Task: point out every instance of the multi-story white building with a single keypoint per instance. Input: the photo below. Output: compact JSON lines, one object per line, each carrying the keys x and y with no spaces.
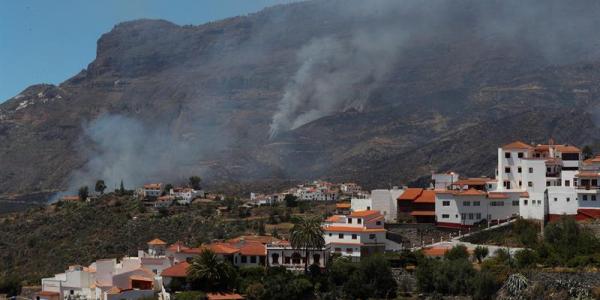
{"x":535,"y":182}
{"x":384,"y":201}
{"x":356,"y":235}
{"x":151,"y":190}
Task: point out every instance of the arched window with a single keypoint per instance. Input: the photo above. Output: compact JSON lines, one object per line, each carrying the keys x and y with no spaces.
{"x":275,"y":258}
{"x":316,"y":259}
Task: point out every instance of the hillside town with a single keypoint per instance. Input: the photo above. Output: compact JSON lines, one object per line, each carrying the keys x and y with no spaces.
{"x":541,"y":183}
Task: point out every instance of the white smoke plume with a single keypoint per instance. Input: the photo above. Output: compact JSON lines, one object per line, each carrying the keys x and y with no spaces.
{"x":336,"y":75}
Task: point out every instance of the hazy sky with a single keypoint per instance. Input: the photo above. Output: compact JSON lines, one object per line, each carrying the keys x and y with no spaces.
{"x":50,"y":41}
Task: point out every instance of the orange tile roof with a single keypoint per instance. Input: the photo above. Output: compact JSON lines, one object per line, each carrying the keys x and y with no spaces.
{"x":422,"y":213}
{"x":253,"y":249}
{"x":223,"y":296}
{"x":587,"y":174}
{"x":410,"y":194}
{"x":177,"y":246}
{"x":156,"y":242}
{"x":364,"y":213}
{"x":595,"y":159}
{"x":342,"y":205}
{"x":470,"y":192}
{"x":153,"y":186}
{"x":351,"y":229}
{"x":263,"y":239}
{"x":334,"y":219}
{"x":140,"y":278}
{"x":222,"y":248}
{"x":178,"y":270}
{"x":517,"y":145}
{"x":435,"y":251}
{"x":567,"y":149}
{"x":428,"y":196}
{"x":496,"y":195}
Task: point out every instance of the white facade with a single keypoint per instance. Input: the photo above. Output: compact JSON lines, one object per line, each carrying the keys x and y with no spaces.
{"x":359,"y":234}
{"x":184,"y":196}
{"x":282,"y":254}
{"x":384,"y":201}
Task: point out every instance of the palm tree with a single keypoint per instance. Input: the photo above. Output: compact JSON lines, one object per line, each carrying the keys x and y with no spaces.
{"x":210,"y":273}
{"x":307,"y":234}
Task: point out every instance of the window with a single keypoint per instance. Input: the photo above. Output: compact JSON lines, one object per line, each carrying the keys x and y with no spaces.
{"x":530,"y":184}
{"x":507,"y":154}
{"x":445,"y":216}
{"x":338,"y":249}
{"x":275,"y":258}
{"x":316,"y":259}
{"x":520,"y":183}
{"x":520,"y":154}
{"x":359,"y":221}
{"x":372,"y":236}
{"x":378,"y":223}
{"x":341,"y":236}
{"x":584,"y":197}
{"x":71,"y":292}
{"x":467,"y":203}
{"x":244,"y":259}
{"x":349,"y":250}
{"x":330,"y":234}
{"x":507,"y":170}
{"x":155,"y":271}
{"x":253,"y":259}
{"x":525,"y":202}
{"x":539,"y":202}
{"x":476,"y":203}
{"x":567,"y":183}
{"x":519,"y":170}
{"x":593,"y":197}
{"x":349,"y":220}
{"x":547,"y":183}
{"x":515,"y":202}
{"x":445,"y":203}
{"x":354,"y":236}
{"x":368,"y":208}
{"x":530,"y":170}
{"x":568,"y":199}
{"x":463,"y":216}
{"x":471,"y":216}
{"x":478,"y":216}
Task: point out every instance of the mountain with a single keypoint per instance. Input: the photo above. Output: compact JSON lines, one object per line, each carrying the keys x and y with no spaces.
{"x":381,"y":92}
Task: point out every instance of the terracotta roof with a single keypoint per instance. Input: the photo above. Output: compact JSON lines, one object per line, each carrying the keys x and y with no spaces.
{"x":156,"y":242}
{"x":343,"y":205}
{"x":422,"y":213}
{"x":253,"y":249}
{"x":410,"y":194}
{"x":428,"y":196}
{"x":263,"y":239}
{"x":364,"y":213}
{"x":595,"y":159}
{"x":153,"y":186}
{"x":567,"y":149}
{"x":221,"y":248}
{"x":334,"y":219}
{"x":587,"y":174}
{"x":178,"y":270}
{"x":351,"y":229}
{"x":470,"y":192}
{"x":113,"y":290}
{"x":496,"y":195}
{"x":435,"y":251}
{"x":517,"y":145}
{"x":48,"y":293}
{"x":140,"y":278}
{"x":223,"y":296}
{"x":177,"y":247}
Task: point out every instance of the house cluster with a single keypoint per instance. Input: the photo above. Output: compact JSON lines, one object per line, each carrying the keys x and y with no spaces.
{"x":541,"y":182}
{"x":355,"y":235}
{"x":314,"y":191}
{"x":157,"y":195}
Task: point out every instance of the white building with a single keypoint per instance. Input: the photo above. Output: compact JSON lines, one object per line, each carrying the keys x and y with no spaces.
{"x":282,"y":254}
{"x":356,"y":235}
{"x":184,"y":195}
{"x":151,"y":190}
{"x":384,"y":201}
{"x":540,"y":182}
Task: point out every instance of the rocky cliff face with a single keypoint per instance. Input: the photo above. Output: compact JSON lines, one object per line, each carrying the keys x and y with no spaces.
{"x":379,"y":93}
